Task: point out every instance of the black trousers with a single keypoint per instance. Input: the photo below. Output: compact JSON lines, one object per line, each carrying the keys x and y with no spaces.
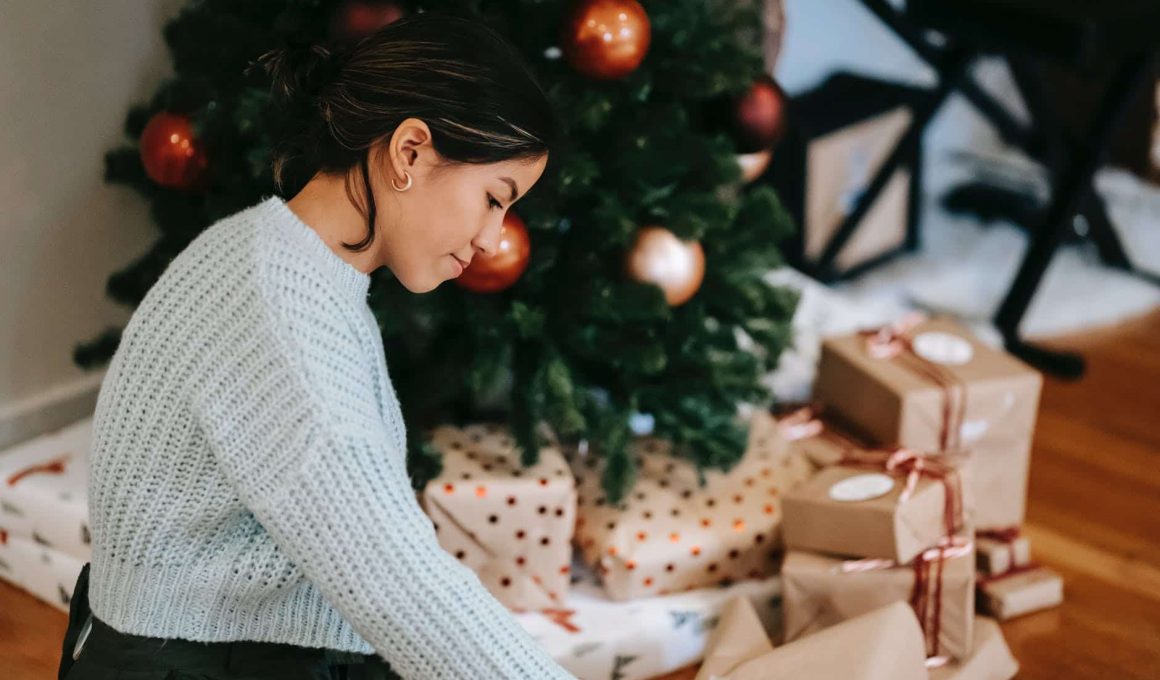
{"x":108,"y":654}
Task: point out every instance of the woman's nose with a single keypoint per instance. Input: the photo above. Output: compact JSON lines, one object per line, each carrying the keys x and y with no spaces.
{"x":487,"y":241}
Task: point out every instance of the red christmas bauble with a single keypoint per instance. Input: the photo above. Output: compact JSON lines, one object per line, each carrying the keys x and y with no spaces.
{"x":172,"y":156}
{"x":606,"y":39}
{"x":677,"y":267}
{"x":759,"y":115}
{"x":500,"y":271}
{"x":354,"y":20}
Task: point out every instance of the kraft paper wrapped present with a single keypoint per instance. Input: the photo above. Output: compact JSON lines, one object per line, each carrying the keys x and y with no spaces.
{"x":1001,"y":551}
{"x":671,"y":534}
{"x":512,"y":526}
{"x":891,"y":505}
{"x":1020,"y":591}
{"x":596,"y":638}
{"x":43,"y":489}
{"x":817,"y":433}
{"x":931,"y":386}
{"x":819,"y":591}
{"x":990,"y":657}
{"x":48,"y":574}
{"x":883,"y":644}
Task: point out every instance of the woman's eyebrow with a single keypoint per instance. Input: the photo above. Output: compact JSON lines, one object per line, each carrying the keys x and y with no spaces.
{"x":512,"y":184}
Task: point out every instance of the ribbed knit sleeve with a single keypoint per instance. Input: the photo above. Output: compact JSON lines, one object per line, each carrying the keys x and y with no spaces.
{"x":286,"y":399}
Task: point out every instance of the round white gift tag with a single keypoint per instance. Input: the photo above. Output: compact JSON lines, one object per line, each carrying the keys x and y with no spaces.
{"x":862,"y":487}
{"x":943,"y":348}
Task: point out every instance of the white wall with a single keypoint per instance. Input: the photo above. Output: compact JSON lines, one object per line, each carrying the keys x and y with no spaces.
{"x":69,"y":72}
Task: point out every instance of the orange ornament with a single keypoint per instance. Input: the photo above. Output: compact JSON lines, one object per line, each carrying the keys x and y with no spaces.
{"x":753,"y":164}
{"x":675,"y":266}
{"x":496,"y":273}
{"x":606,"y":39}
{"x":172,"y":156}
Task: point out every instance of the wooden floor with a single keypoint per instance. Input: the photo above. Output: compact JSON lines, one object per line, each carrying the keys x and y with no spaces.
{"x":1094,"y":515}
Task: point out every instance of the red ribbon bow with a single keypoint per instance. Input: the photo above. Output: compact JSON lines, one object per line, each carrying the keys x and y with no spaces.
{"x":891,"y":342}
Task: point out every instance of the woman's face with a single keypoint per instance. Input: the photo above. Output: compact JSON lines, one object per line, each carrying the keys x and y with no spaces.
{"x":450,"y":214}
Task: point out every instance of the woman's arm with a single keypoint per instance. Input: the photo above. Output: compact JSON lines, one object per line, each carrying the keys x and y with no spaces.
{"x":290,"y":412}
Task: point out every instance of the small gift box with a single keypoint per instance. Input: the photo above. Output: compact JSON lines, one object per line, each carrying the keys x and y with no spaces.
{"x":884,"y":504}
{"x":50,"y":575}
{"x":596,"y":638}
{"x":43,"y":489}
{"x":930,"y":385}
{"x":671,"y":533}
{"x":882,"y":644}
{"x":1020,"y":591}
{"x":1001,"y":551}
{"x":990,"y":657}
{"x":819,"y":591}
{"x":511,"y":525}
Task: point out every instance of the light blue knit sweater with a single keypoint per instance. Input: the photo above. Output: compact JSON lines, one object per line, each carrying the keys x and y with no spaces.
{"x":248,"y":477}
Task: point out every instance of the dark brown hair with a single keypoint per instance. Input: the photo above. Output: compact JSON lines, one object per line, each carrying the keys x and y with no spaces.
{"x":471,"y":87}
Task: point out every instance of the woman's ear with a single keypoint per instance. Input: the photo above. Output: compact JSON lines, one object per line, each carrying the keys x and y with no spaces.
{"x":409,"y":143}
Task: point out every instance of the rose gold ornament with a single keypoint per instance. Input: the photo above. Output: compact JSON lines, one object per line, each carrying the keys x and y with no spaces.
{"x":675,"y":266}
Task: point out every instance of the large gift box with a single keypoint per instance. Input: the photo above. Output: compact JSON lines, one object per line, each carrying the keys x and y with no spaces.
{"x":48,"y":574}
{"x":882,"y":644}
{"x":990,"y":657}
{"x":819,"y":591}
{"x":672,"y":534}
{"x":511,"y":525}
{"x":931,"y":386}
{"x":888,"y":504}
{"x":44,"y":489}
{"x":596,"y":638}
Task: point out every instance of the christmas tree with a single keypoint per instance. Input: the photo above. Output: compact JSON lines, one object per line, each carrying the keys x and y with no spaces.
{"x":580,"y":333}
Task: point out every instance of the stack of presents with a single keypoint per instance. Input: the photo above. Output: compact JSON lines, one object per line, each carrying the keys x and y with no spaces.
{"x":873,"y":533}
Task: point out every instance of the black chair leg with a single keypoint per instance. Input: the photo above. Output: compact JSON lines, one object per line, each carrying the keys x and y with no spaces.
{"x":1067,"y":197}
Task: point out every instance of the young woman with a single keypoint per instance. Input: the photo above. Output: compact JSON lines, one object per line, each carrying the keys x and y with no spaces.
{"x":250,"y":506}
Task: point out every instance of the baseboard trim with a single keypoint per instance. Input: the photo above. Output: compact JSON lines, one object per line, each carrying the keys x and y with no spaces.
{"x":50,"y":410}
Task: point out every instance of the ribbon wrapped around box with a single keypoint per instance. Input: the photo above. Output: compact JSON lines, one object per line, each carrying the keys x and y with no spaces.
{"x":1000,"y":551}
{"x":816,"y":433}
{"x":43,"y":489}
{"x":930,"y":385}
{"x":512,"y":526}
{"x":596,"y":638}
{"x":888,"y":504}
{"x":1020,"y":591}
{"x":48,"y":574}
{"x":819,"y":591}
{"x":990,"y":657}
{"x":882,"y":644}
{"x":671,"y":534}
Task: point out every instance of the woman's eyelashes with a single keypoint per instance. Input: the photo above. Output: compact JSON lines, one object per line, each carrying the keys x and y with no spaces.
{"x":494,"y":204}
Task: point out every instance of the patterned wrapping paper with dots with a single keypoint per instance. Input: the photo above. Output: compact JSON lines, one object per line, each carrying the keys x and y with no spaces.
{"x":44,"y":489}
{"x":671,"y":534}
{"x":50,"y":575}
{"x":511,"y":525}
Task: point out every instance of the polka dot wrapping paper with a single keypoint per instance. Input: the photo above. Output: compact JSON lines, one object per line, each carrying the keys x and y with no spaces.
{"x":672,"y":535}
{"x":511,"y":525}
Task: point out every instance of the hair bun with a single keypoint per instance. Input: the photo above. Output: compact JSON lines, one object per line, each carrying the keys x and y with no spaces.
{"x":299,"y":72}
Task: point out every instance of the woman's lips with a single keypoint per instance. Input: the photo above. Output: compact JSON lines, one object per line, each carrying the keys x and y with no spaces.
{"x":458,"y":263}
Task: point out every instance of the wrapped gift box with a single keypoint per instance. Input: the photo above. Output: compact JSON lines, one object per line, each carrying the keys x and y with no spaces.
{"x":882,"y":644}
{"x":512,"y":526}
{"x":819,"y":591}
{"x":931,"y":386}
{"x":1001,"y":551}
{"x":596,"y":638}
{"x":44,"y":489}
{"x":48,"y":574}
{"x":1020,"y":591}
{"x":990,"y":657}
{"x":672,"y":534}
{"x":860,"y":510}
